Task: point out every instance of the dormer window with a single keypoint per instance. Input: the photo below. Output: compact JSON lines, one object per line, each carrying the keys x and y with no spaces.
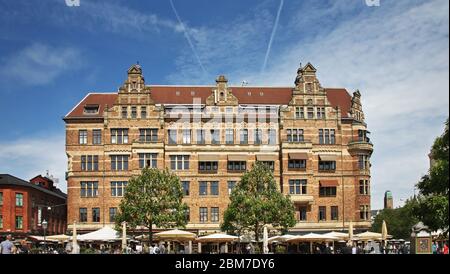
{"x":249,"y":93}
{"x":177,"y":93}
{"x":192,"y":93}
{"x":91,"y":109}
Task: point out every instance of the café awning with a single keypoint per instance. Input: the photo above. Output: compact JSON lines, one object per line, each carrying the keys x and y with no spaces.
{"x":328,"y":157}
{"x":208,"y":157}
{"x":328,"y":183}
{"x":298,"y":156}
{"x":266,"y":158}
{"x":237,"y":157}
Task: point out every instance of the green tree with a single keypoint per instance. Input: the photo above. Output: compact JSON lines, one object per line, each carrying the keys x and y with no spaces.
{"x":432,"y":206}
{"x":398,"y":221}
{"x":256,"y":201}
{"x":153,"y":199}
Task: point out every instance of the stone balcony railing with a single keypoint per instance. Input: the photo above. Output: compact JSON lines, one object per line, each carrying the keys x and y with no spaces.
{"x":366,"y":146}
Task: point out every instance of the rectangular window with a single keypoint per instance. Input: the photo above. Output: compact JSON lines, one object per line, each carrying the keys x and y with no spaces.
{"x":1,"y":198}
{"x":96,"y":215}
{"x":214,"y":188}
{"x":185,"y":185}
{"x":208,"y":166}
{"x":89,"y":163}
{"x":119,"y":162}
{"x":188,"y":214}
{"x":231,"y":186}
{"x":214,"y":214}
{"x":269,"y":164}
{"x":299,"y":112}
{"x":229,"y":136}
{"x":327,"y":191}
{"x":186,"y":136}
{"x":179,"y":162}
{"x":258,"y":137}
{"x":320,"y":113}
{"x":83,"y":137}
{"x":363,"y":162}
{"x":119,"y":136}
{"x":272,"y":136}
{"x":302,"y":213}
{"x":322,"y":213}
{"x":124,"y":112}
{"x":237,"y":165}
{"x":364,"y":213}
{"x":215,"y":136}
{"x":172,"y":136}
{"x":148,"y":135}
{"x":88,"y":189}
{"x":364,"y":187}
{"x":334,"y":213}
{"x":295,"y":135}
{"x":97,"y":136}
{"x":200,"y":136}
{"x":244,"y":136}
{"x":203,"y":214}
{"x":310,"y":113}
{"x":147,"y":160}
{"x":297,"y":187}
{"x":1,"y":221}
{"x":296,"y":164}
{"x":327,"y":136}
{"x":19,"y":199}
{"x":83,"y":215}
{"x":19,"y":222}
{"x":112,"y":214}
{"x":118,"y":188}
{"x":143,"y":112}
{"x":327,"y":165}
{"x":203,"y":188}
{"x":133,"y":112}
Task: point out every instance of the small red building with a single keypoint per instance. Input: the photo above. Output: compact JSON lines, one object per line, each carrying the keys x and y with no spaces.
{"x":25,"y":205}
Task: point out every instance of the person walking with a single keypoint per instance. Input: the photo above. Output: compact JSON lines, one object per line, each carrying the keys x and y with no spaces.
{"x":7,"y":247}
{"x":162,"y":248}
{"x":434,"y":248}
{"x":446,"y":248}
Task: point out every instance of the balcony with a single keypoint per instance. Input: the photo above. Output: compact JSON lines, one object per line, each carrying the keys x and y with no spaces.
{"x":302,"y":198}
{"x":360,"y":146}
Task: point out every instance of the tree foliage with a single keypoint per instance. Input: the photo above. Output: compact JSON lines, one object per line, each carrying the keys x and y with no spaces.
{"x":153,"y":199}
{"x":432,"y":206}
{"x":256,"y":201}
{"x":398,"y":221}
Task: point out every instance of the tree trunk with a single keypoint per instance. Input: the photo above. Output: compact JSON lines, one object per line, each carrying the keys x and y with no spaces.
{"x":257,"y":234}
{"x":150,"y":234}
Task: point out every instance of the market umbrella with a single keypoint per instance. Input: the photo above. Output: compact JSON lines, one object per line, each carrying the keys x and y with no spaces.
{"x":313,"y":237}
{"x":350,"y":231}
{"x":282,"y":238}
{"x":265,"y":241}
{"x":384,"y":233}
{"x":104,"y":234}
{"x":59,"y":238}
{"x":124,"y":236}
{"x":75,"y":247}
{"x":340,"y":235}
{"x":217,"y":238}
{"x":366,"y":236}
{"x":176,"y":235}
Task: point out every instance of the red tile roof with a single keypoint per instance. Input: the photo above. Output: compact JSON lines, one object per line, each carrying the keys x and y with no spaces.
{"x":340,"y":97}
{"x":186,"y":95}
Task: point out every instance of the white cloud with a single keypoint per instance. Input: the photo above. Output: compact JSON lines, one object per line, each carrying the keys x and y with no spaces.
{"x":28,"y":157}
{"x":39,"y":64}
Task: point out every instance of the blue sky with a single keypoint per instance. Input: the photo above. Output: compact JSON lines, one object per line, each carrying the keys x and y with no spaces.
{"x":396,"y":53}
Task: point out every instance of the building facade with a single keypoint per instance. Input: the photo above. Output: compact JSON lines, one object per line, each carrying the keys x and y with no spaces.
{"x":25,"y":205}
{"x":314,"y":139}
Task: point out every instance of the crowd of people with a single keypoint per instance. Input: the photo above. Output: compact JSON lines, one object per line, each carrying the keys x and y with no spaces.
{"x":439,"y":247}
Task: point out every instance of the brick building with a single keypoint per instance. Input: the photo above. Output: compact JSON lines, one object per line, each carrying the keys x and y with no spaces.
{"x":24,"y":205}
{"x":314,"y":139}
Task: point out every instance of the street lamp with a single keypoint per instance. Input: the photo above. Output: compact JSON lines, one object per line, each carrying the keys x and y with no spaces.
{"x":44,"y":226}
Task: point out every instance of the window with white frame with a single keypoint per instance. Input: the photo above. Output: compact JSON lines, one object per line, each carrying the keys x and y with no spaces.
{"x":186,"y":136}
{"x":327,"y":136}
{"x":83,"y":137}
{"x":299,"y":112}
{"x":119,"y":136}
{"x":118,"y":188}
{"x":179,"y":162}
{"x":89,"y":162}
{"x":119,"y":162}
{"x":147,"y":160}
{"x":295,"y":135}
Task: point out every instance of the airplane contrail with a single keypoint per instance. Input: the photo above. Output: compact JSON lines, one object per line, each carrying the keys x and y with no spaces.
{"x":272,"y":36}
{"x":187,"y":37}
